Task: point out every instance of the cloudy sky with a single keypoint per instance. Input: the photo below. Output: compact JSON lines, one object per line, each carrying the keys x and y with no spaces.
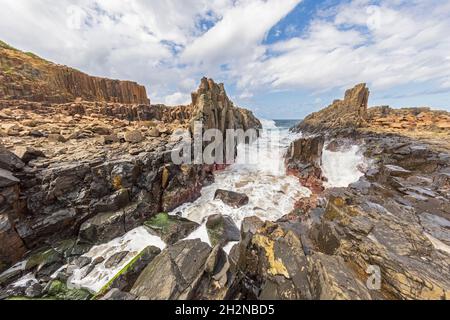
{"x":280,"y":58}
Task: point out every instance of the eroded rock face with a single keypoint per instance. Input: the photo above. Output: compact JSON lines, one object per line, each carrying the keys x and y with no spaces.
{"x":395,"y":218}
{"x":93,"y":171}
{"x":188,"y":270}
{"x":12,"y":247}
{"x":272,"y":264}
{"x":304,"y":160}
{"x":28,"y":77}
{"x":348,"y":114}
{"x":215,"y":110}
{"x":127,"y":277}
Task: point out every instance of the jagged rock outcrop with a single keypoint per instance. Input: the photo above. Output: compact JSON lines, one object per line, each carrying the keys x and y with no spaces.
{"x":94,"y":170}
{"x":215,"y":110}
{"x":28,"y":77}
{"x":304,"y":160}
{"x":346,"y":114}
{"x":272,"y":265}
{"x":394,"y":218}
{"x":188,"y":270}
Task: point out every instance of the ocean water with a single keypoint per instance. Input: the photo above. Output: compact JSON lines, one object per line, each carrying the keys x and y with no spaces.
{"x":259,"y":172}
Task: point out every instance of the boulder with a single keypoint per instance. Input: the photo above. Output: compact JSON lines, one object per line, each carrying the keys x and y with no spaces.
{"x":26,"y":154}
{"x":58,"y":290}
{"x":169,"y":228}
{"x":53,"y":137}
{"x":222,"y":229}
{"x":109,"y":139}
{"x":232,"y":199}
{"x":9,"y":161}
{"x":174,"y":273}
{"x":154,"y":133}
{"x":134,"y":136}
{"x":7,"y":179}
{"x":103,"y":227}
{"x":12,"y":129}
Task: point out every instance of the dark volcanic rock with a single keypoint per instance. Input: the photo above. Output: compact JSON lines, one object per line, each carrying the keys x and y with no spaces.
{"x":26,"y":154}
{"x":103,"y":227}
{"x":307,"y":151}
{"x":173,"y":273}
{"x":12,"y":247}
{"x":117,"y":295}
{"x":169,"y":228}
{"x":272,"y":265}
{"x":125,"y":279}
{"x":330,"y":278}
{"x":222,"y":229}
{"x":187,"y":270}
{"x":115,"y":259}
{"x":232,"y":199}
{"x":9,"y":161}
{"x":7,"y":179}
{"x":304,"y":161}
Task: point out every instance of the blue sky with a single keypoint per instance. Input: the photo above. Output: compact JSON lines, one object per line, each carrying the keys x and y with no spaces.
{"x":280,"y":58}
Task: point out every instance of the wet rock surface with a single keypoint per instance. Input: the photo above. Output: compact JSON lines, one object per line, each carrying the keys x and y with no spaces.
{"x":304,"y":160}
{"x":170,"y":229}
{"x":77,"y":176}
{"x":185,"y":266}
{"x":393,"y":219}
{"x":221,"y":230}
{"x":93,"y":171}
{"x":232,"y":199}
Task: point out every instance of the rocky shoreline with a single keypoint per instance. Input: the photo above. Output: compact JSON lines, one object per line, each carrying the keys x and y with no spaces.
{"x":86,"y":188}
{"x":81,"y":174}
{"x":396,"y":217}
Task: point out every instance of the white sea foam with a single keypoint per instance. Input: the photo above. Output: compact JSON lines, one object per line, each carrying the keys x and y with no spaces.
{"x":260,"y":173}
{"x":26,"y":280}
{"x":201,"y":233}
{"x":230,"y":246}
{"x":134,"y":242}
{"x":341,"y":168}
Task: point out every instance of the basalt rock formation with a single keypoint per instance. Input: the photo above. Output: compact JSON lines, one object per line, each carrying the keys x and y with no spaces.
{"x":348,"y":114}
{"x":395,"y":219}
{"x":80,"y":173}
{"x":214,"y":109}
{"x":304,"y":160}
{"x":29,"y":77}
